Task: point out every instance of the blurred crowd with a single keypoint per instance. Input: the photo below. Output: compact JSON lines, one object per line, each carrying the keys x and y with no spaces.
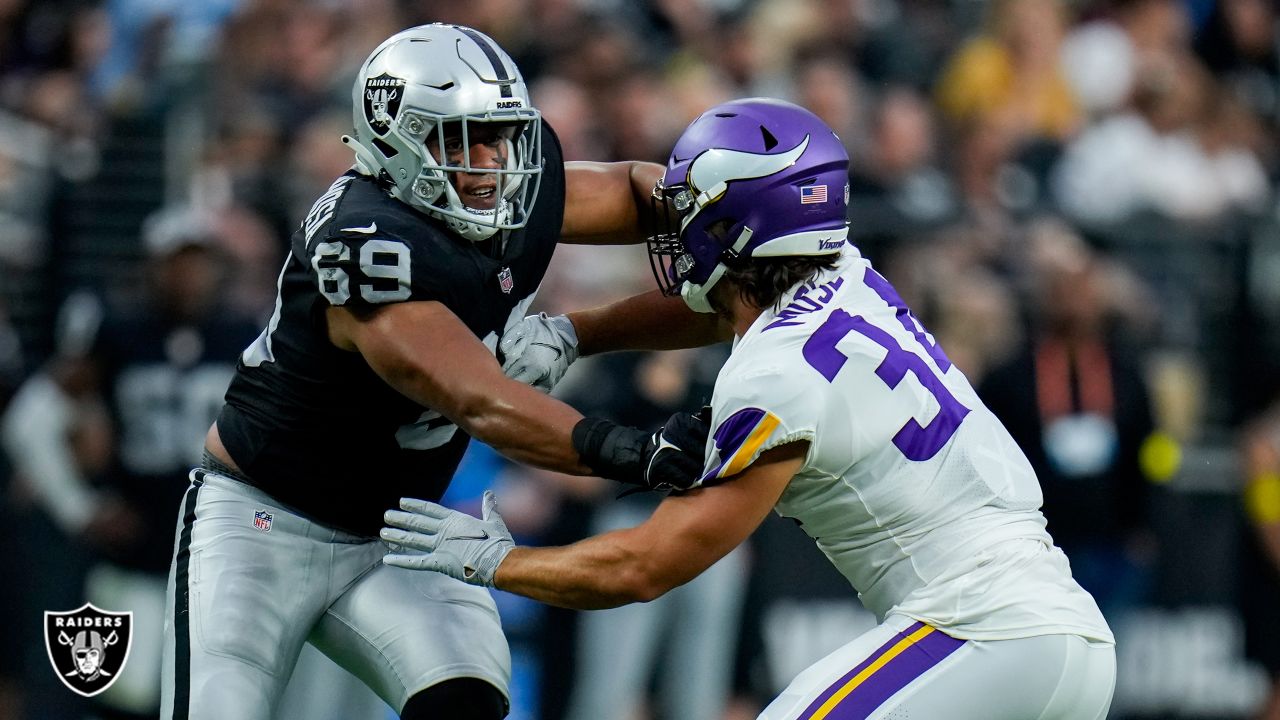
{"x":1078,"y":198}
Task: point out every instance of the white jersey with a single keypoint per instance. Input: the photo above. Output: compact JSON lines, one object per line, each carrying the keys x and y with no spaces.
{"x":911,"y":487}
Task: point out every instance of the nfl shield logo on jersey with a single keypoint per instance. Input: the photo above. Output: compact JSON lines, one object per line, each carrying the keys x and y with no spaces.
{"x":505,"y":280}
{"x":262,"y":520}
{"x":88,"y":647}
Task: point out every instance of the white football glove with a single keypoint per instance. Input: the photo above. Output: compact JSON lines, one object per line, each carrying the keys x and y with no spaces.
{"x":539,"y":350}
{"x":427,"y":536}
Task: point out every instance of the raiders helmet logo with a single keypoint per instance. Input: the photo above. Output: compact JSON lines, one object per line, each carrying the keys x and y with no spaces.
{"x":88,"y":647}
{"x":382,"y":96}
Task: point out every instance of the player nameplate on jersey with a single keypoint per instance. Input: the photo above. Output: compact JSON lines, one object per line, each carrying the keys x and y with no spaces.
{"x":382,"y":96}
{"x":262,"y":520}
{"x":88,"y":647}
{"x":505,"y":281}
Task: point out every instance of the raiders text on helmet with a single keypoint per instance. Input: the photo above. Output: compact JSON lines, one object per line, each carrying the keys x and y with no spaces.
{"x":428,"y":79}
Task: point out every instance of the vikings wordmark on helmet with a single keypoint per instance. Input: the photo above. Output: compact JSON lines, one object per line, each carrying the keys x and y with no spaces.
{"x":382,"y":96}
{"x":88,"y":647}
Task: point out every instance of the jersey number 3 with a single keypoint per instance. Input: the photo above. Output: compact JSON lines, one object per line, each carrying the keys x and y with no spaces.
{"x":917,"y":442}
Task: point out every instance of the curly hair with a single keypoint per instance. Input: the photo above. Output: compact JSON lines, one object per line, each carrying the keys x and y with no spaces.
{"x":761,"y":282}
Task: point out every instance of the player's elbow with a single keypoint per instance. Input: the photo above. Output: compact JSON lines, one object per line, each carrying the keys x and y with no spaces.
{"x":484,"y":414}
{"x":642,"y":583}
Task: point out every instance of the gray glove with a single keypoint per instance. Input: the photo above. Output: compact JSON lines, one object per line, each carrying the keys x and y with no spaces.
{"x":539,"y":350}
{"x":427,"y":536}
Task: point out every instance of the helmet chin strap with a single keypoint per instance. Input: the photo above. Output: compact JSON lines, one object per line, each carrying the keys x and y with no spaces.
{"x":474,"y":230}
{"x":695,"y":295}
{"x":365,"y":161}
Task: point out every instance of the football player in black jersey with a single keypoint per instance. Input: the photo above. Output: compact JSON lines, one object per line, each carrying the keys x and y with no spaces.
{"x":106,"y":432}
{"x":377,"y":367}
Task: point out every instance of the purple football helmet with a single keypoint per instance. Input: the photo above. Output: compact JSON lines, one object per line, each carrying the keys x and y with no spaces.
{"x":749,"y":178}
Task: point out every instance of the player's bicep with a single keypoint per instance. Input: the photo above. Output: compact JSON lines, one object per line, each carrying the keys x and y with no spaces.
{"x":603,"y":201}
{"x":421,"y":349}
{"x":690,"y":531}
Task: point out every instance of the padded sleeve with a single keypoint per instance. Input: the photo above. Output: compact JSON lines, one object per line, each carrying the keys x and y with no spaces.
{"x":755,"y":413}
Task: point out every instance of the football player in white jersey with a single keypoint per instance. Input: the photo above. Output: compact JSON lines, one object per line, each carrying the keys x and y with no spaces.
{"x":837,"y":409}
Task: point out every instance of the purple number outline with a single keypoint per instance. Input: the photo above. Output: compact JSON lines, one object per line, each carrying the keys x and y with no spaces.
{"x":876,"y":282}
{"x":916,"y":442}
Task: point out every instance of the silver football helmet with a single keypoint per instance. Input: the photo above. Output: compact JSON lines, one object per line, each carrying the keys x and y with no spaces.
{"x":424,"y":81}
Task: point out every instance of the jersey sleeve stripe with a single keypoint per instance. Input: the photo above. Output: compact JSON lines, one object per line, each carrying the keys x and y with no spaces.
{"x":742,"y":458}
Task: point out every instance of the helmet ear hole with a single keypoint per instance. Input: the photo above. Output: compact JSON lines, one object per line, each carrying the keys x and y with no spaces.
{"x":719,"y":231}
{"x":384,"y":148}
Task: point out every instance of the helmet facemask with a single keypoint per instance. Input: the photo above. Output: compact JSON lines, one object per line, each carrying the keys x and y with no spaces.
{"x":673,"y":261}
{"x":515,"y":181}
{"x":668,"y":258}
{"x":439,"y":83}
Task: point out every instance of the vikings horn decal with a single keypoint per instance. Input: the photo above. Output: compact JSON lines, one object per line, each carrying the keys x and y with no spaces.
{"x":711,"y":172}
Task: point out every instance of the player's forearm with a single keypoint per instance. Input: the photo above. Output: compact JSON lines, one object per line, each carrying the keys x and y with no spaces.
{"x":600,"y":572}
{"x":606,"y":203}
{"x":428,"y":356}
{"x":650,"y":321}
{"x":524,"y":425}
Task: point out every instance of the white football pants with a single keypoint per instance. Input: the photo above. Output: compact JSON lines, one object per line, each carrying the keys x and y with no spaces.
{"x":904,"y":669}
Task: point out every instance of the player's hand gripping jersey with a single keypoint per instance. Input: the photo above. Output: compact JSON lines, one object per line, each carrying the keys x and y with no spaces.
{"x":313,"y":425}
{"x":911,"y":486}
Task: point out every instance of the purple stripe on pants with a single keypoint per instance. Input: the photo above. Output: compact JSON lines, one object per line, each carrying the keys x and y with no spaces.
{"x":911,"y":663}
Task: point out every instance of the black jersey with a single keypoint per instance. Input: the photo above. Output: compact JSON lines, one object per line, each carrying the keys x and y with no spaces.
{"x":313,"y":425}
{"x":163,"y":383}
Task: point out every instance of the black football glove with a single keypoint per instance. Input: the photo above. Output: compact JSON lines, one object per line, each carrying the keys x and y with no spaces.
{"x":668,"y":459}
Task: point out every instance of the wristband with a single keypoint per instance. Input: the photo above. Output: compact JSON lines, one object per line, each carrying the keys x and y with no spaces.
{"x":611,"y":450}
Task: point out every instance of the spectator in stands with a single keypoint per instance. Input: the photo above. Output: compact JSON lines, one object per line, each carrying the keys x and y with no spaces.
{"x":1098,"y":59}
{"x":1013,"y":71}
{"x":568,"y":108}
{"x":895,"y":184}
{"x":1241,"y":44}
{"x":159,"y":372}
{"x":1077,"y":404}
{"x":826,"y":83}
{"x":638,"y":118}
{"x":1180,"y":151}
{"x":1260,"y":576}
{"x":1155,"y":27}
